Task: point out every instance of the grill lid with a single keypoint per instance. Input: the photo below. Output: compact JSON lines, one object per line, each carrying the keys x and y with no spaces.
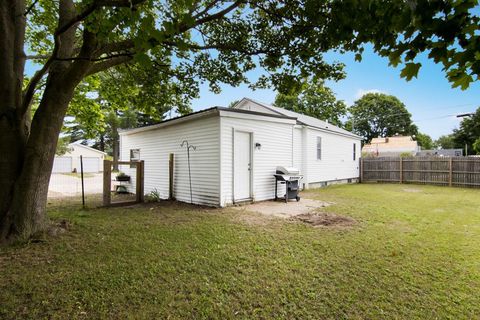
{"x":291,"y":171}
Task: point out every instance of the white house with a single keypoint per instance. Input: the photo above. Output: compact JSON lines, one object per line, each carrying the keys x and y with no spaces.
{"x":237,"y":151}
{"x":70,"y":161}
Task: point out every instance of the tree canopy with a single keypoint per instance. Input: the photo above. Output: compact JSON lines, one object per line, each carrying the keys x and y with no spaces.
{"x":313,"y":99}
{"x":424,"y":141}
{"x":468,"y":132}
{"x":380,"y":115}
{"x":446,"y":142}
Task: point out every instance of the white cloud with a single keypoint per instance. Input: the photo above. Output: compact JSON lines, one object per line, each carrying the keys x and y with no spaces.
{"x":361,"y":92}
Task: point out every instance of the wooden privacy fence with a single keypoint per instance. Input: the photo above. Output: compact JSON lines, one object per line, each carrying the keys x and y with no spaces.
{"x":454,"y":171}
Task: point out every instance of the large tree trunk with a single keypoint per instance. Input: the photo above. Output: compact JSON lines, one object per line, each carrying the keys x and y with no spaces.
{"x":24,"y":204}
{"x":27,"y":153}
{"x":30,"y":191}
{"x":13,"y":130}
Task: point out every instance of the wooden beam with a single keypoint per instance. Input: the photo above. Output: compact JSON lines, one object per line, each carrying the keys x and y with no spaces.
{"x":139,"y":182}
{"x":170,"y":175}
{"x":127,"y":162}
{"x":107,"y":182}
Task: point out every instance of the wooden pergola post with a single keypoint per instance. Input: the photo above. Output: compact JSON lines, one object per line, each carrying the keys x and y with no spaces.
{"x":139,"y":182}
{"x":107,"y":182}
{"x":170,"y":175}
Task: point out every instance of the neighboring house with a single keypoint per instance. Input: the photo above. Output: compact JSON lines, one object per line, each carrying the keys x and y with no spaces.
{"x":70,"y":161}
{"x":440,"y":153}
{"x":391,"y":146}
{"x":237,"y":152}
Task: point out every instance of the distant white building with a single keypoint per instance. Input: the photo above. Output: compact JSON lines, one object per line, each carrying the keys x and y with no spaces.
{"x":440,"y":153}
{"x":237,"y":152}
{"x":391,"y":146}
{"x":70,"y":161}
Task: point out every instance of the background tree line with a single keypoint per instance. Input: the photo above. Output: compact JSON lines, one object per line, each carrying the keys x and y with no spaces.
{"x":376,"y":115}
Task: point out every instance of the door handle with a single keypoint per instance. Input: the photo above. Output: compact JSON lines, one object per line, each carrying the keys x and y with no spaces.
{"x":249,"y":167}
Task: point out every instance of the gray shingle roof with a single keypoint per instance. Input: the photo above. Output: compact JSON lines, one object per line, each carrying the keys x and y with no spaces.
{"x":306,"y":120}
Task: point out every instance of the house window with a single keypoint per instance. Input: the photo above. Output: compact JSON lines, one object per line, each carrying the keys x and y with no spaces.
{"x":354,"y":151}
{"x":319,"y":148}
{"x":134,"y":156}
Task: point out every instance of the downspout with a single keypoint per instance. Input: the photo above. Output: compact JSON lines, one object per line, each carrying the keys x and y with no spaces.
{"x":305,"y":157}
{"x":292,"y":145}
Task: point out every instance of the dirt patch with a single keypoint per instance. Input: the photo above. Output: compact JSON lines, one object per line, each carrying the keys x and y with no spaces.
{"x":414,"y":190}
{"x":325,"y":219}
{"x":283,"y":210}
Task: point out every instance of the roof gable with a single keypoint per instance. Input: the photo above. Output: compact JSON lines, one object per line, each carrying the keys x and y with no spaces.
{"x":301,"y":118}
{"x":77,"y":144}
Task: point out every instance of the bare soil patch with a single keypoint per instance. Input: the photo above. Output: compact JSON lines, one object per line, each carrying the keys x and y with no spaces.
{"x":284,"y":210}
{"x":414,"y":190}
{"x":325,"y":219}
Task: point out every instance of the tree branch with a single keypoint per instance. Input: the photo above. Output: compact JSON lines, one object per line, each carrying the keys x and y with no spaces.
{"x":218,"y":14}
{"x":226,"y":47}
{"x":94,"y":6}
{"x":207,"y":7}
{"x":30,"y":8}
{"x":116,"y":46}
{"x":104,"y":65}
{"x":37,"y":57}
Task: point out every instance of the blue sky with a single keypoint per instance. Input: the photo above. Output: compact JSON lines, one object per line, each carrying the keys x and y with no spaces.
{"x":430,"y":98}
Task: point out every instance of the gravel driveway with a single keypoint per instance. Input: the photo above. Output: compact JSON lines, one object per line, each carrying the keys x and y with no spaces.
{"x":66,"y":185}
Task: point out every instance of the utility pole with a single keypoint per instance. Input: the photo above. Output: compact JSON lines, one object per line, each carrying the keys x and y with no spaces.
{"x":463,"y":115}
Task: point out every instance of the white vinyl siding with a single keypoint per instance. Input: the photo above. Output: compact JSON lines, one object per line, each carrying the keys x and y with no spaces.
{"x":89,"y":154}
{"x":90,"y":164}
{"x":336,"y":155}
{"x":275,"y":137}
{"x":247,"y":105}
{"x":62,"y":165}
{"x":157,"y":144}
{"x":297,"y":148}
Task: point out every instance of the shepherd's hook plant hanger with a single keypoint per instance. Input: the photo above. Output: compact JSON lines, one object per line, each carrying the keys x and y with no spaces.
{"x":189,"y":146}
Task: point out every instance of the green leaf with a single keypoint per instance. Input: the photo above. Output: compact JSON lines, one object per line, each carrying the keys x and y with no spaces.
{"x":143,"y":59}
{"x":410,"y":70}
{"x":463,"y":81}
{"x":358,"y":57}
{"x":394,"y":58}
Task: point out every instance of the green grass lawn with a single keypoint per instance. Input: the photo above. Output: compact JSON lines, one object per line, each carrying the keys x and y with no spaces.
{"x":414,"y":254}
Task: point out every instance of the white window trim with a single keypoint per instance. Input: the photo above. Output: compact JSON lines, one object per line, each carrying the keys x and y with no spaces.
{"x":319,"y":139}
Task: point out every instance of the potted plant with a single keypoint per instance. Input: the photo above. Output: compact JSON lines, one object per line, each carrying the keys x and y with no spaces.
{"x":122,"y":177}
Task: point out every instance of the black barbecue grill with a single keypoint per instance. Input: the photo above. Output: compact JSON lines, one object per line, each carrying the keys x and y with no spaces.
{"x":291,"y":178}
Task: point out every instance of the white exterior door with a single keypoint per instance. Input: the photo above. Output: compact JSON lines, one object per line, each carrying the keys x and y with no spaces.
{"x":242,"y":165}
{"x":91,"y":164}
{"x":62,"y":165}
